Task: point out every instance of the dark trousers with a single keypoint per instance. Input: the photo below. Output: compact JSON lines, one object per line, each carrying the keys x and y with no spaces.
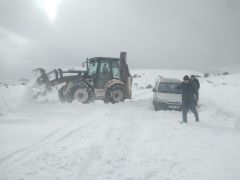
{"x":186,"y":108}
{"x":197,"y":96}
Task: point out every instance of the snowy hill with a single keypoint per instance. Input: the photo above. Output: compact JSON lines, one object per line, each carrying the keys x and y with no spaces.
{"x":51,"y":140}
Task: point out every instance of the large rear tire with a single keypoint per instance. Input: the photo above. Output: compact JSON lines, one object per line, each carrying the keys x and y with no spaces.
{"x":115,"y":94}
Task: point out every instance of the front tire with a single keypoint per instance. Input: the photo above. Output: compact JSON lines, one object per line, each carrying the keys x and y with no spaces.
{"x":82,"y":95}
{"x":61,"y":95}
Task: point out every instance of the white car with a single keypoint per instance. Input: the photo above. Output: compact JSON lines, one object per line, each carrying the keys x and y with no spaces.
{"x":167,"y":94}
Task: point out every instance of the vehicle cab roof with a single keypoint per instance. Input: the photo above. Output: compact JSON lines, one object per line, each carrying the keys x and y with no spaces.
{"x":104,"y":58}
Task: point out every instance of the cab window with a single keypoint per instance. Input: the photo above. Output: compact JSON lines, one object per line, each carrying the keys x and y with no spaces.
{"x":116,"y":69}
{"x":105,"y":70}
{"x":92,"y":69}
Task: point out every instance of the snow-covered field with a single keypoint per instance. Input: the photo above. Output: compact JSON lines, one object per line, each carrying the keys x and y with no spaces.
{"x":126,"y":141}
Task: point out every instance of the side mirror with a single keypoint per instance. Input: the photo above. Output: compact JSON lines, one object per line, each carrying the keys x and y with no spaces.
{"x":154,"y":90}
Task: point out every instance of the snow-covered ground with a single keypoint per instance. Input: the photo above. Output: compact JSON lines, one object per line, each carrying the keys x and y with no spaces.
{"x":126,"y":141}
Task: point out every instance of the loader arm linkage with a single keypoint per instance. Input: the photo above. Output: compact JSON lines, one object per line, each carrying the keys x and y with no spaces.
{"x":57,"y":76}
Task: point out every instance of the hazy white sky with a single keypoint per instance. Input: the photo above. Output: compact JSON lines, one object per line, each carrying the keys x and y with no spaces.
{"x":193,"y":34}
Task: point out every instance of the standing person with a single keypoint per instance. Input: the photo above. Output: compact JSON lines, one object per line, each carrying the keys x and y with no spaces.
{"x":189,"y":98}
{"x":196,"y":83}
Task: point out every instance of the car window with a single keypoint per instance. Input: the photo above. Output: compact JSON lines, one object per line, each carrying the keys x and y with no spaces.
{"x":174,"y":88}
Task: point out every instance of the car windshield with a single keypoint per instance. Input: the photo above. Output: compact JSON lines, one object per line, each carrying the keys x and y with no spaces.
{"x":173,"y":88}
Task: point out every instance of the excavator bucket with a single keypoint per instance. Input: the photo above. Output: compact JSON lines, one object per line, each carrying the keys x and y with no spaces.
{"x":43,"y":79}
{"x":40,"y":77}
{"x":37,"y":85}
{"x":126,"y":76}
{"x":54,"y":77}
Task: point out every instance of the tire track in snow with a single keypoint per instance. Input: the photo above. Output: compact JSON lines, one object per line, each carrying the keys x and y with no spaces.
{"x":123,"y":141}
{"x":114,"y":146}
{"x":55,"y":134}
{"x":218,"y":118}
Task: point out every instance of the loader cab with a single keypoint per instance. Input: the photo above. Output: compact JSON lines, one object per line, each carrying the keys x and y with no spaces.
{"x":103,"y":69}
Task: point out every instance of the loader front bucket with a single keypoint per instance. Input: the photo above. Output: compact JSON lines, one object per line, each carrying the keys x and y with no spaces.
{"x":40,"y":78}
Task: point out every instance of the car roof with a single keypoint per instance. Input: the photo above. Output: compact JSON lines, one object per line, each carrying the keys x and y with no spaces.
{"x":168,"y":80}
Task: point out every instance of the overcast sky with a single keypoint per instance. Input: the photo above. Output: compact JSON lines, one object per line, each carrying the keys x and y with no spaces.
{"x":192,"y":34}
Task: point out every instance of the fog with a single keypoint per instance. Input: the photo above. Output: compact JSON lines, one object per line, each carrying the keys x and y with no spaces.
{"x":187,"y":34}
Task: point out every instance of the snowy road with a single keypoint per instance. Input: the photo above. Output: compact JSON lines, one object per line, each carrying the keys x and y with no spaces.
{"x":127,"y":141}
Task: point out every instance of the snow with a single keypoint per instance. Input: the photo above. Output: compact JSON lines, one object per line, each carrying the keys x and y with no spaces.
{"x":128,"y":141}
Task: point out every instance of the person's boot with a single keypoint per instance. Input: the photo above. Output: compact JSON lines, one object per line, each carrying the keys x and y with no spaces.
{"x":183,"y":122}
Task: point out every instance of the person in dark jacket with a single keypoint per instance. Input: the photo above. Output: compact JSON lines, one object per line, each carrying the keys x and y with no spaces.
{"x":196,"y":84}
{"x":189,"y":98}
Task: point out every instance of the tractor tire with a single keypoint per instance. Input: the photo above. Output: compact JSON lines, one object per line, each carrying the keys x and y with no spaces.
{"x":115,"y":94}
{"x":83,"y":94}
{"x":61,"y":95}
